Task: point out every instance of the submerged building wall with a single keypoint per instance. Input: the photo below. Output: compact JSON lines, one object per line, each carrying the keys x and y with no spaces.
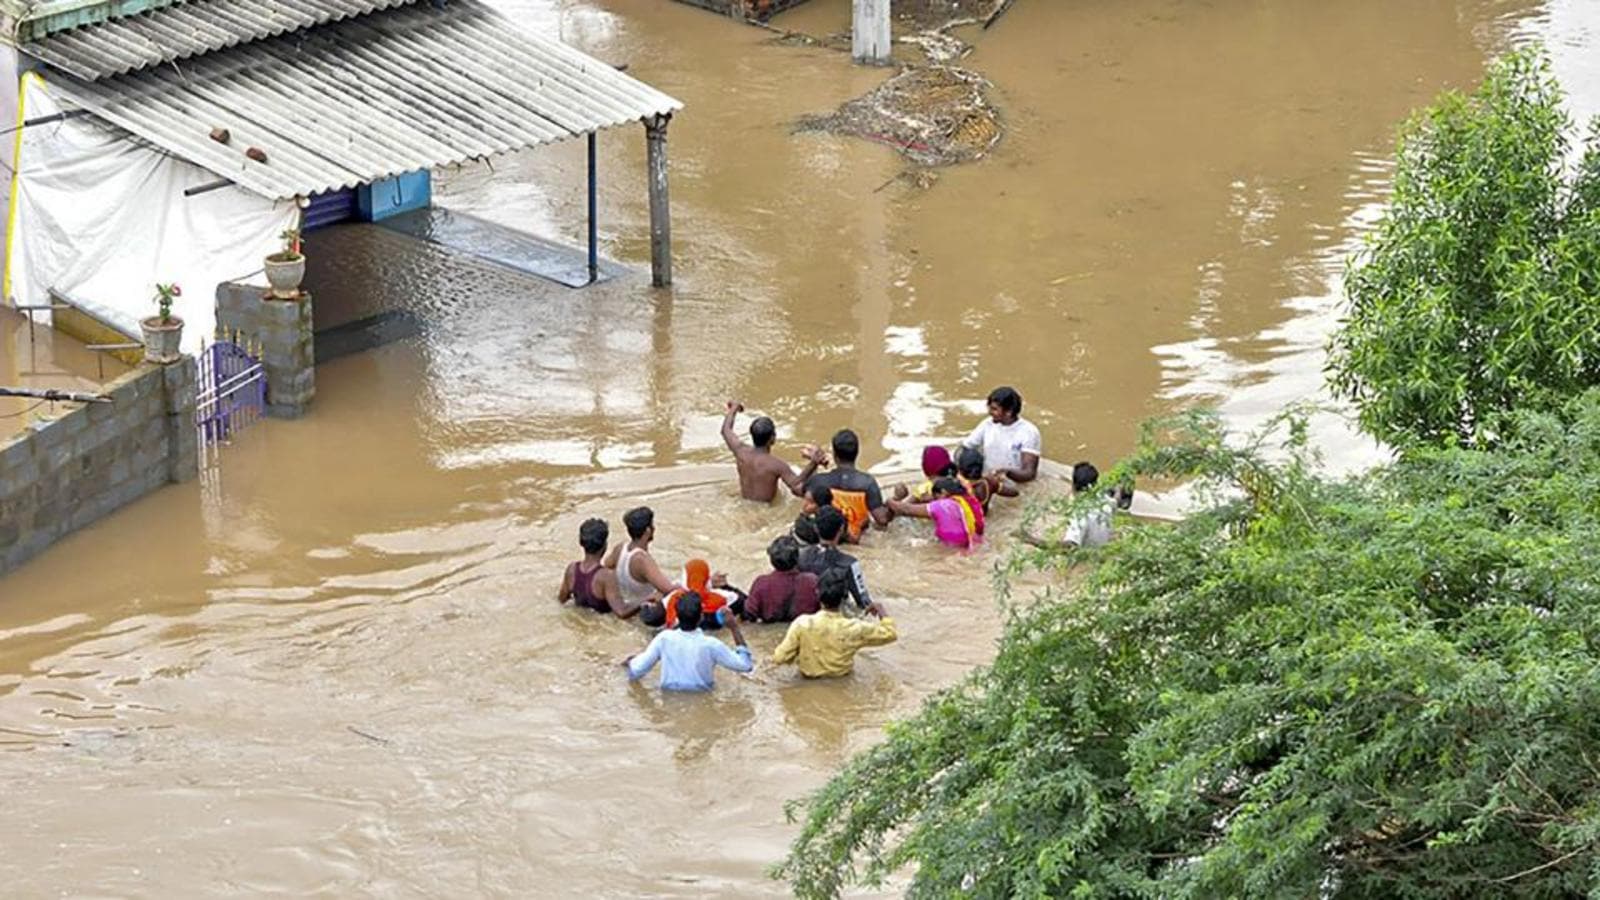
{"x":749,"y":10}
{"x":61,"y":474}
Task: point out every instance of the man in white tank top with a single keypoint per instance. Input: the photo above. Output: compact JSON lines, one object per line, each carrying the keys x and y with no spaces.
{"x":638,"y":576}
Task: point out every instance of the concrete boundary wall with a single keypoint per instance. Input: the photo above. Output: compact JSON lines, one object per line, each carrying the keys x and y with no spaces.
{"x":61,"y":474}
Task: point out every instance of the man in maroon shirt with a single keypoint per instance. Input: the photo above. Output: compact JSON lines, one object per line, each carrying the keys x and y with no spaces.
{"x":785,"y":592}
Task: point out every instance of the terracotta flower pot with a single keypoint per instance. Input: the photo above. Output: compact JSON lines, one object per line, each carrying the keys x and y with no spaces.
{"x":284,"y":273}
{"x":163,"y":341}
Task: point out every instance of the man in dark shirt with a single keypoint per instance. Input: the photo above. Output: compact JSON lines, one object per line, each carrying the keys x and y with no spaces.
{"x":827,"y":555}
{"x":785,"y":592}
{"x":855,"y":493}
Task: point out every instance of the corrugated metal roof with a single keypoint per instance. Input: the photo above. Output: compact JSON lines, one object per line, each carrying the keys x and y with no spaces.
{"x":367,"y":98}
{"x":186,"y":30}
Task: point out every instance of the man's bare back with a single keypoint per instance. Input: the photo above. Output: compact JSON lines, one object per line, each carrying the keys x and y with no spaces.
{"x":760,"y":470}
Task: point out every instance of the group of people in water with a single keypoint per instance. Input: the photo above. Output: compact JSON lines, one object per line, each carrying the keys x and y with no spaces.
{"x":811,"y":577}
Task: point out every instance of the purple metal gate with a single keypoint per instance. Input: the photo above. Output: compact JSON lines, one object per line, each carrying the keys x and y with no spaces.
{"x":232,"y":395}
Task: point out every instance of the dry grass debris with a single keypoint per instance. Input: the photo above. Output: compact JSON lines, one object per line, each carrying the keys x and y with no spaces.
{"x":934,"y":115}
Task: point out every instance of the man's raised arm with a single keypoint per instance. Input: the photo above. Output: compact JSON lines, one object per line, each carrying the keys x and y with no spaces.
{"x":729,"y":436}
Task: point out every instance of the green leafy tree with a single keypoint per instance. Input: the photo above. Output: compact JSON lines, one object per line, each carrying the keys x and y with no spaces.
{"x":1479,"y":291}
{"x":1384,"y":686}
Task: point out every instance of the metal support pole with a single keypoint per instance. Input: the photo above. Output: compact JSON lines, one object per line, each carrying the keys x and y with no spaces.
{"x":870,"y":32}
{"x":28,"y":309}
{"x":54,"y":395}
{"x":594,"y":218}
{"x":102,"y":349}
{"x":219,"y":184}
{"x":655,"y":131}
{"x":53,"y":117}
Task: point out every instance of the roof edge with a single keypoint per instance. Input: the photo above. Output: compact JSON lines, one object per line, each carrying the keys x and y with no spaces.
{"x":522,"y":90}
{"x":38,"y":20}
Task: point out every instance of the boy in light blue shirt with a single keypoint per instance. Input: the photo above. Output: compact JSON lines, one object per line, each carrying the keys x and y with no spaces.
{"x":689,"y":657}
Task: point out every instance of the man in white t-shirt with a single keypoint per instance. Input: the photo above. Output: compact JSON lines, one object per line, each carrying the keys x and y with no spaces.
{"x":1011,"y":444}
{"x":1091,"y":528}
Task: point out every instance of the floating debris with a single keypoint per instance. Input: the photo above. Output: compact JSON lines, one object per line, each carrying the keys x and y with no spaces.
{"x":937,"y":46}
{"x":937,"y":15}
{"x":934,"y":115}
{"x":792,"y":38}
{"x":839,"y":41}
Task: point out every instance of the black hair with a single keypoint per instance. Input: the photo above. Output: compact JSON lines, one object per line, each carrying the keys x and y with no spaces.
{"x":969,"y":462}
{"x":593,"y":535}
{"x":652,"y":614}
{"x":689,"y":611}
{"x":846,"y":446}
{"x":639,"y":520}
{"x":1007,"y":399}
{"x":784,"y":554}
{"x":830,"y":523}
{"x":948,"y":486}
{"x":833,"y":587}
{"x":1084,"y":475}
{"x":805,"y":530}
{"x":821,"y":494}
{"x":763,"y":432}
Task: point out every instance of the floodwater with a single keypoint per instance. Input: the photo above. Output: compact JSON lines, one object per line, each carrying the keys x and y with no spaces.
{"x":32,"y":357}
{"x":335,"y":666}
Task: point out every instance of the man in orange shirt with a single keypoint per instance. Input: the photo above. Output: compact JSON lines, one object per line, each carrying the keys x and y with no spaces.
{"x":855,"y":493}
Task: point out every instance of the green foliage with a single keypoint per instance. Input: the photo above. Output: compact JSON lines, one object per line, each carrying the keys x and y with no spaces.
{"x":1479,"y":291}
{"x":165,"y":294}
{"x":1387,"y":686}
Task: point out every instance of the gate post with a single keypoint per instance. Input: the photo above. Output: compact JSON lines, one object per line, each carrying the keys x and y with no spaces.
{"x":870,"y":32}
{"x":179,"y":385}
{"x":655,"y":133}
{"x":283,"y":333}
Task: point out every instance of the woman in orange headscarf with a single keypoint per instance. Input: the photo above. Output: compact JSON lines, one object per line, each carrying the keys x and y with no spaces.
{"x":697,"y":575}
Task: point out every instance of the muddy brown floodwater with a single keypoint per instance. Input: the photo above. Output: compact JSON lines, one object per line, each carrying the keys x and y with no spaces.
{"x":335,"y":667}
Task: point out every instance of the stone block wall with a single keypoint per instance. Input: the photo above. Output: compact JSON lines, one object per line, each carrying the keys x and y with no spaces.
{"x":283,"y":332}
{"x":58,"y":475}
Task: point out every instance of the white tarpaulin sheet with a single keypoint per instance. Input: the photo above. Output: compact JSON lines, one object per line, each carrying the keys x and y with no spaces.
{"x":101,"y":217}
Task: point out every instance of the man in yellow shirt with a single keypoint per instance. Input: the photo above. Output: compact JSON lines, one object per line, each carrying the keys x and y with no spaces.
{"x":824,"y":643}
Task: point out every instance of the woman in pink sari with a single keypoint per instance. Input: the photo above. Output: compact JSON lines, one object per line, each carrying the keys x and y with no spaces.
{"x":957,"y":515}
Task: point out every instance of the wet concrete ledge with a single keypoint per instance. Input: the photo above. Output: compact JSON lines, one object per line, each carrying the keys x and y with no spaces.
{"x":494,"y":243}
{"x":377,"y":284}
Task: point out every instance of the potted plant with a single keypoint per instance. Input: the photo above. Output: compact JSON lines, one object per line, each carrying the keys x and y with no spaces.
{"x":287,"y":267}
{"x":163,"y":333}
